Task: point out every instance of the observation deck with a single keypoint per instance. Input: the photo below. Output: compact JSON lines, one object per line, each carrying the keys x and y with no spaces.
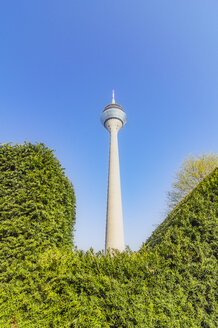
{"x":114,"y":111}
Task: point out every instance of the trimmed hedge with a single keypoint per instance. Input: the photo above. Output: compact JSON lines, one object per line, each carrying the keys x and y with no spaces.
{"x":37,"y":203}
{"x":195,"y":217}
{"x":169,"y":283}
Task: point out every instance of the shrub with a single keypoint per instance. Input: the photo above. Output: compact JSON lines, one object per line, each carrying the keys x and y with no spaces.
{"x":37,"y":203}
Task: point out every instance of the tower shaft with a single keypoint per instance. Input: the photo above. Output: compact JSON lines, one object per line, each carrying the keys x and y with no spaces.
{"x":114,"y":225}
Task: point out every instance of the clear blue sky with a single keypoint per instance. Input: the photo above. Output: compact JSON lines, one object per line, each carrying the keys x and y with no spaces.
{"x":59,"y":61}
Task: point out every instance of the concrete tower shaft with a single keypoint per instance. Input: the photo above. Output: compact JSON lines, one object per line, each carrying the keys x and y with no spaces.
{"x":114,"y":223}
{"x":113,"y":118}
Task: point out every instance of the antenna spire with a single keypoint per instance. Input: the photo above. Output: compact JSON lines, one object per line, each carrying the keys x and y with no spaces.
{"x":113,"y":99}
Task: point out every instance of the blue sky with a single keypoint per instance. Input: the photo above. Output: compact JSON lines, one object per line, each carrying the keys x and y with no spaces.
{"x":60,"y":60}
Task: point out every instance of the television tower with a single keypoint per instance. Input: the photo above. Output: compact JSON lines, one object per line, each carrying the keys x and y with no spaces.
{"x":113,"y":118}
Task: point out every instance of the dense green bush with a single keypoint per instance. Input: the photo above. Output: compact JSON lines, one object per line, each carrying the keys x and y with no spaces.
{"x":169,"y":283}
{"x":37,"y":203}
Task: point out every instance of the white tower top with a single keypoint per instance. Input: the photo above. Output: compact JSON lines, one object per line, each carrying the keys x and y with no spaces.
{"x":113,"y":99}
{"x":113,"y":110}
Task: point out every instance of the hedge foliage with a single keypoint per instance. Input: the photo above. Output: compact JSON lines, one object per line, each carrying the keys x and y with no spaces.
{"x":169,"y":283}
{"x":37,"y":203}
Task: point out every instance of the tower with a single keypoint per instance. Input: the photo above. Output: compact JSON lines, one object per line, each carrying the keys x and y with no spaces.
{"x":113,"y":118}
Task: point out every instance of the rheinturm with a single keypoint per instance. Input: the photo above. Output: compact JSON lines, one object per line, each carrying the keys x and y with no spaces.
{"x":113,"y":118}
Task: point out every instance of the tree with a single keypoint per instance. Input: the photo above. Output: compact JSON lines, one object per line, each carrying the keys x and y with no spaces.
{"x":191,"y":173}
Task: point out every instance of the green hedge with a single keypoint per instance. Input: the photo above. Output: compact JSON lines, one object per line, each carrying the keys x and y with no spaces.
{"x":169,"y":283}
{"x":37,"y":203}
